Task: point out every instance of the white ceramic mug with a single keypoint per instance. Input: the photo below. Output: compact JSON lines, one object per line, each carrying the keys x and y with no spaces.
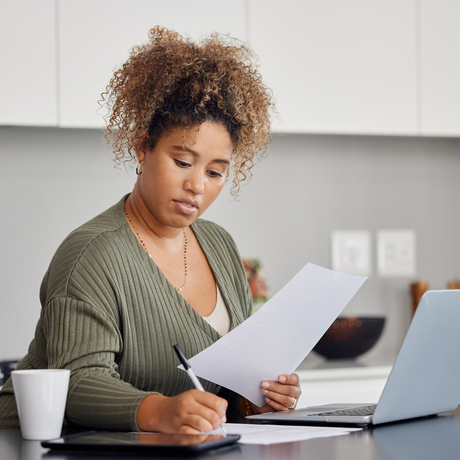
{"x":41,"y":396}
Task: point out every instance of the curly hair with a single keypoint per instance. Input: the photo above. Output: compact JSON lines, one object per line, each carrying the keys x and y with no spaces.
{"x":172,"y":83}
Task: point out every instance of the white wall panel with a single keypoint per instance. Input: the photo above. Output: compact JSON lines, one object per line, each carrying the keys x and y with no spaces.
{"x":96,"y":36}
{"x":440,"y":67}
{"x":28,"y":70}
{"x":339,"y":67}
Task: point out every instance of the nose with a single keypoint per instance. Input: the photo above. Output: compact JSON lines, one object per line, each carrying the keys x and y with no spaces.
{"x":195,"y":182}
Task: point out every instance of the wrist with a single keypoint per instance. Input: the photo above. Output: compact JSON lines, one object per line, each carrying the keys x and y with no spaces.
{"x":149,"y":413}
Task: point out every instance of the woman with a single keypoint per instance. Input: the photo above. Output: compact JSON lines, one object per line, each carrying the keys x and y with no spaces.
{"x":148,"y":273}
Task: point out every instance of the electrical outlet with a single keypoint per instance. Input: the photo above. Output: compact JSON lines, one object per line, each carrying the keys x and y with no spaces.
{"x":351,"y":251}
{"x":396,"y":253}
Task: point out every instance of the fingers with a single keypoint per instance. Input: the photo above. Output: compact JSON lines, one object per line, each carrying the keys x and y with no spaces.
{"x":196,"y":424}
{"x":191,"y":412}
{"x":291,"y":379}
{"x":284,"y":394}
{"x":280,"y":388}
{"x":201,"y":411}
{"x":277,"y":406}
{"x":278,"y":401}
{"x":209,"y":400}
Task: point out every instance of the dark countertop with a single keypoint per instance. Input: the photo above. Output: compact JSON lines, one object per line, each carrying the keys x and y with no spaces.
{"x":428,"y":438}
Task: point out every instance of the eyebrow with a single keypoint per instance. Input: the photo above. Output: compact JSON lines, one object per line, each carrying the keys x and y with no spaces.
{"x":196,"y":154}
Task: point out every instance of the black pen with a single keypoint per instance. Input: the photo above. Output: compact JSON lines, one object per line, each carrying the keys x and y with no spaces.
{"x":190,"y":373}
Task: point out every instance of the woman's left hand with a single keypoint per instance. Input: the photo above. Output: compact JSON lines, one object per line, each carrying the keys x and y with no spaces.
{"x":281,"y":395}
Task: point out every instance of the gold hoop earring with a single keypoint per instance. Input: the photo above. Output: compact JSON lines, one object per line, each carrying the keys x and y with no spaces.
{"x":138,"y":171}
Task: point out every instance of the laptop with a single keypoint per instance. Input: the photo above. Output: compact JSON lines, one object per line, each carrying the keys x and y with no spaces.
{"x":424,"y":380}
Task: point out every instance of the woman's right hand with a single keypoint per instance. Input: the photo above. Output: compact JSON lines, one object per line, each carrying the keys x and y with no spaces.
{"x":191,"y":412}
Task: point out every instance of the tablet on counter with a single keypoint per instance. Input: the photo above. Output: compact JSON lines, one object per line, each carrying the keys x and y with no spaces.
{"x":139,"y":442}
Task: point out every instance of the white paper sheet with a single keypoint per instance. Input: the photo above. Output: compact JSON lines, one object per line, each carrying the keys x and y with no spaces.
{"x":277,"y":338}
{"x":275,"y":434}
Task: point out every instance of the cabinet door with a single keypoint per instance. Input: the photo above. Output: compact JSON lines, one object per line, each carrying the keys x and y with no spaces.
{"x":440,"y":67}
{"x":339,"y":66}
{"x":95,"y":37}
{"x":28,"y":70}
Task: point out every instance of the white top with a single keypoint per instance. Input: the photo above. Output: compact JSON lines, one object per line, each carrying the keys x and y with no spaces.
{"x":219,"y":319}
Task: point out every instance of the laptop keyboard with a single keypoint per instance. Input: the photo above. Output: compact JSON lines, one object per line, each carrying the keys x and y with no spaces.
{"x":358,"y":411}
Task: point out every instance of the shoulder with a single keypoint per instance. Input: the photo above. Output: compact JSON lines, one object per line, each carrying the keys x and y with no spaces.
{"x":89,"y":248}
{"x":103,"y":230}
{"x":108,"y":221}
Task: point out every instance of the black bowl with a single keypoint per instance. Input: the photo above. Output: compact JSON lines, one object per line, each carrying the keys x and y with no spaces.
{"x":349,"y":337}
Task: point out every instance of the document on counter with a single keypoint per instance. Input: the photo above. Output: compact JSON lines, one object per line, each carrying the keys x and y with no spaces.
{"x":278,"y":337}
{"x":275,"y":434}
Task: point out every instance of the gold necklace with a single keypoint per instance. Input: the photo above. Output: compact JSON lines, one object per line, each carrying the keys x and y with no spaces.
{"x":143,"y":244}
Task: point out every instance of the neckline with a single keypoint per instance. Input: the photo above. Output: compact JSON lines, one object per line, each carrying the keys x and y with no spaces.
{"x":207,"y":328}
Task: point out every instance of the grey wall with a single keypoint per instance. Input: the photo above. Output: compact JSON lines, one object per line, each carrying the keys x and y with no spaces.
{"x":52,"y":180}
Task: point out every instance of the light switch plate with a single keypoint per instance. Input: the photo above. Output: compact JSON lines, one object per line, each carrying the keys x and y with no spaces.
{"x":351,"y":251}
{"x":396,"y":253}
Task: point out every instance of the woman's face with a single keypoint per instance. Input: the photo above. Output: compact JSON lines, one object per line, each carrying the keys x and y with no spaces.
{"x":179,"y":181}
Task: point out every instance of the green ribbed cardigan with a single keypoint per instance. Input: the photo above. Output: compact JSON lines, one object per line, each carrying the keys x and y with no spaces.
{"x":111,"y":317}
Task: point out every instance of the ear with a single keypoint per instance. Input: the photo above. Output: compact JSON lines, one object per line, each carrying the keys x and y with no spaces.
{"x":140,"y":150}
{"x":140,"y":156}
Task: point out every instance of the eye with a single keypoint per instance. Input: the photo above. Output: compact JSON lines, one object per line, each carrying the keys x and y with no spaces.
{"x":214,"y":173}
{"x":182,"y":164}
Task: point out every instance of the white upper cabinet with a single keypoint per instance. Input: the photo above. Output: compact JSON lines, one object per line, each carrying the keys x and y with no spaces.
{"x":336,"y":66}
{"x":28,"y":69}
{"x":339,"y":66}
{"x":96,"y":36}
{"x":440,"y":67}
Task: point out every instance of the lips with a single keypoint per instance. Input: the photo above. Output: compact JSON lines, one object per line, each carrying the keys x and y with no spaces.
{"x":186,"y":206}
